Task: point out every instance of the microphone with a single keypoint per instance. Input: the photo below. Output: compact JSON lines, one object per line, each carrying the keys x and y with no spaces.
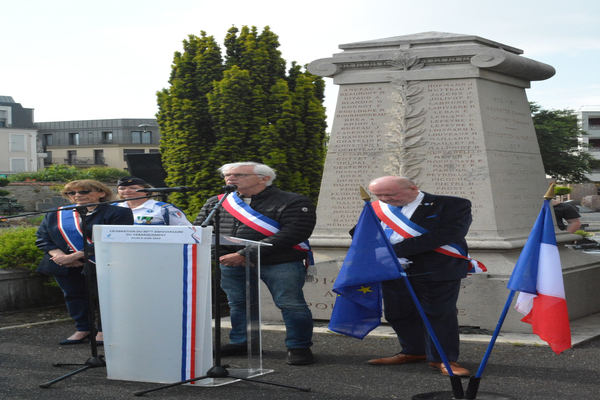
{"x":169,"y":190}
{"x":229,"y":188}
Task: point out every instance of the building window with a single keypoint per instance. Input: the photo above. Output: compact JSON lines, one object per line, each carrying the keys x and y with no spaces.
{"x":5,"y":117}
{"x":594,"y":144}
{"x":74,"y":138}
{"x":107,"y":137}
{"x":594,"y":123}
{"x":18,"y":142}
{"x":47,"y":139}
{"x":18,"y":165}
{"x":71,"y":156}
{"x":141,"y":137}
{"x":99,"y":157}
{"x":131,"y":151}
{"x":136,"y":137}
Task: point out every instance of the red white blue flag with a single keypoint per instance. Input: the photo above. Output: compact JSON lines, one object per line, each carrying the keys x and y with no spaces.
{"x":538,"y":277}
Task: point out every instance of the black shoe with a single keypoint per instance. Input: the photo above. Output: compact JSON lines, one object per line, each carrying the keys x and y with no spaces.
{"x":67,"y":342}
{"x":230,"y":350}
{"x":302,"y":356}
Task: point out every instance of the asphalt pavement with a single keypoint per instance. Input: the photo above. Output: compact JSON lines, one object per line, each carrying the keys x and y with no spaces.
{"x":519,"y":367}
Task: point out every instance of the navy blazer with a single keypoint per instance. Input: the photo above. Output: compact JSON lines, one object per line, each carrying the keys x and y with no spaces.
{"x":447,"y":220}
{"x":50,"y":238}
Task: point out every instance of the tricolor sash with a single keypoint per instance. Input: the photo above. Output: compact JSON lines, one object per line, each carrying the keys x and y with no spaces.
{"x":69,"y":226}
{"x":406,"y":228}
{"x":255,"y":220}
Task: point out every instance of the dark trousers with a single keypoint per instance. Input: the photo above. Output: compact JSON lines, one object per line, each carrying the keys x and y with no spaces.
{"x":438,"y":299}
{"x":74,"y":290}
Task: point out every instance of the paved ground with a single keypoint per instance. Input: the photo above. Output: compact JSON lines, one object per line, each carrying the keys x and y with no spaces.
{"x":28,"y":349}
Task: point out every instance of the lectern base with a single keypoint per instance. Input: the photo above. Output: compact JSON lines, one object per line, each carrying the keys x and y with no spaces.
{"x":450,"y":396}
{"x":241,"y":373}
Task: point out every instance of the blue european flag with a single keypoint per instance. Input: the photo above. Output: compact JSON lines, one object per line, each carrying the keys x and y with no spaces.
{"x":370,"y":260}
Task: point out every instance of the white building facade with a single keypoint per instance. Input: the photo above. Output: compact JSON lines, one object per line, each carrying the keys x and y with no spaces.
{"x":18,"y":139}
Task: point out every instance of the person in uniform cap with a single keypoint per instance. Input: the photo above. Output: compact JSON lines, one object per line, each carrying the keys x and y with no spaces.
{"x":148,"y":211}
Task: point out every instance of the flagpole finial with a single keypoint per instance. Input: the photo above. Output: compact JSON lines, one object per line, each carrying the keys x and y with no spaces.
{"x":364,"y":195}
{"x":550,"y":193}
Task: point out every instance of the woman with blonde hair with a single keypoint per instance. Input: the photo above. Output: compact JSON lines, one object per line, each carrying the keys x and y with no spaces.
{"x":61,"y":238}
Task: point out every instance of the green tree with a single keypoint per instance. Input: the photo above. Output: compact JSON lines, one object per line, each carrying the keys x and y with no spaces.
{"x":186,"y":126}
{"x":558,"y":136}
{"x":243,"y":108}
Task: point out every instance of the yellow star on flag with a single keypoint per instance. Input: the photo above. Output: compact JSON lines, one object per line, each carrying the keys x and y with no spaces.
{"x":365,"y":289}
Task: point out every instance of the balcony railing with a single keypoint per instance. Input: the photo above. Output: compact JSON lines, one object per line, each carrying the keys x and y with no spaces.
{"x":77,"y":161}
{"x":97,"y":142}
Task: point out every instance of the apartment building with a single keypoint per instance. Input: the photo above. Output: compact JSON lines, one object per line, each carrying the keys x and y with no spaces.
{"x":95,"y":143}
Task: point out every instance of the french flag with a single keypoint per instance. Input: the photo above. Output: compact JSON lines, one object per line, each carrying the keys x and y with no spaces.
{"x":538,"y":278}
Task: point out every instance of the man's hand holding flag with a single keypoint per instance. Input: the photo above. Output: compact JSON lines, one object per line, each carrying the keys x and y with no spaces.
{"x":370,"y":260}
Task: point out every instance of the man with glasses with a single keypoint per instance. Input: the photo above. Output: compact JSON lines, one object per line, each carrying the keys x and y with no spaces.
{"x":286,"y":221}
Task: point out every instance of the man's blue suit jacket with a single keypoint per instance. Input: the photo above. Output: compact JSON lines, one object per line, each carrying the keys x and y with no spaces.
{"x":447,"y":220}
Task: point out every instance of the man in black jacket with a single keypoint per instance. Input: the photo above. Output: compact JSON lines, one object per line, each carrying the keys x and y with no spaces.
{"x":435,"y":277}
{"x":262,"y":213}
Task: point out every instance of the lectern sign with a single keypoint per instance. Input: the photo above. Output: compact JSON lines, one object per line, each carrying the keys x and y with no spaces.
{"x":137,"y":234}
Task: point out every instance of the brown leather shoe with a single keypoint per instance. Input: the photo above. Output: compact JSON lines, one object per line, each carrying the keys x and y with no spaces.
{"x":457,"y":370}
{"x":398,"y":359}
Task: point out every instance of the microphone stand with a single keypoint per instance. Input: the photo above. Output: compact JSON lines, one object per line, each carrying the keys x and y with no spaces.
{"x":95,"y":361}
{"x":218,"y":370}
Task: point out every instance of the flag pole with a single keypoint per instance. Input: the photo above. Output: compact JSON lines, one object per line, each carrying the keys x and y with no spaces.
{"x":474,"y":381}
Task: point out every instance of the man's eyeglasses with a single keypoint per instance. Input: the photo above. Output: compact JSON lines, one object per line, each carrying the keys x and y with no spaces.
{"x":81,"y":192}
{"x":239,"y":176}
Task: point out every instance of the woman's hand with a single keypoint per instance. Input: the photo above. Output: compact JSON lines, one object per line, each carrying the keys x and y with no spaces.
{"x":68,"y":260}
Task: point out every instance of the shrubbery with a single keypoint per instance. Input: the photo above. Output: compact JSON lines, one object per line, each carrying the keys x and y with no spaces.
{"x":18,"y":249}
{"x":4,"y":182}
{"x":66,"y":173}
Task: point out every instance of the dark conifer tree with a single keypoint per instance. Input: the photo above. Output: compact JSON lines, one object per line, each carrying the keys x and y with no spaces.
{"x":243,"y":108}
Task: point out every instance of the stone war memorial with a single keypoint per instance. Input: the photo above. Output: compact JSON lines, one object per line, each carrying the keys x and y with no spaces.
{"x":450,"y":112}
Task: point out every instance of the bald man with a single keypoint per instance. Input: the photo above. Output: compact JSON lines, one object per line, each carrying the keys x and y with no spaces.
{"x":435,"y":277}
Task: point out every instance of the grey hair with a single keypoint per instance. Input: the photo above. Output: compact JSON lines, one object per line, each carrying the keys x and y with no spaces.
{"x":259,"y":169}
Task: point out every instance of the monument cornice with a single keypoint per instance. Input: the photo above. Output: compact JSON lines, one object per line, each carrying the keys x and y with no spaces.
{"x":465,"y":51}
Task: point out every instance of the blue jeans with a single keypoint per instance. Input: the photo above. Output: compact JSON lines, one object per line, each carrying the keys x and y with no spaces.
{"x":285,"y":282}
